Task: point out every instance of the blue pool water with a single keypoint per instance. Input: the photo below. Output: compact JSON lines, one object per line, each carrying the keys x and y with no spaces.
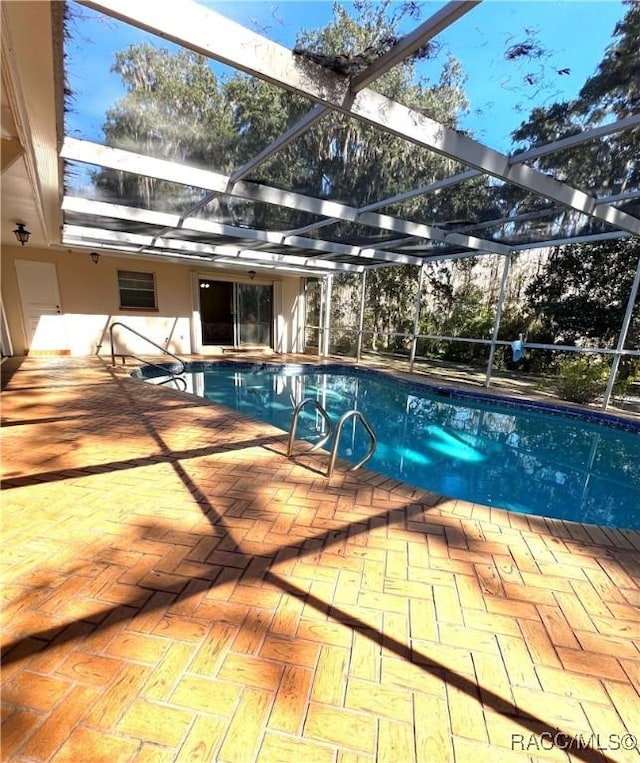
{"x":522,"y":457}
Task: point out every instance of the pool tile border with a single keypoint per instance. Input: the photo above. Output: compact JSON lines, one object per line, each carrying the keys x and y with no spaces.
{"x":553,"y":409}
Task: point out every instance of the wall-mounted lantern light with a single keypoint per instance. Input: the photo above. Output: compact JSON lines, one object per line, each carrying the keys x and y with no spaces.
{"x":95,"y":257}
{"x":21,"y":233}
{"x":251,"y":274}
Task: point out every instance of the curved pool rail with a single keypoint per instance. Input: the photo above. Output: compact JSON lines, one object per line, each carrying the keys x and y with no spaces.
{"x":353,"y":413}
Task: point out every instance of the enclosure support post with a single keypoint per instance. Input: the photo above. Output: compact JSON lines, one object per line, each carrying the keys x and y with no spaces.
{"x":361,"y":317}
{"x":326,"y":316}
{"x":622,"y":338}
{"x":416,"y":318}
{"x":496,"y":323}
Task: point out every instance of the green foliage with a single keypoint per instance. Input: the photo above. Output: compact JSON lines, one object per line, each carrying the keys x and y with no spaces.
{"x":582,"y":293}
{"x":582,"y":379}
{"x":615,"y":87}
{"x":177,"y":108}
{"x":604,"y":166}
{"x":470,"y":317}
{"x":345,"y":300}
{"x":391,"y":294}
{"x":174,"y":108}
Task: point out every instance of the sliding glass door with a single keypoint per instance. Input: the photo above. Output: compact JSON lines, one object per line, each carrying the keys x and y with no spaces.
{"x":236,"y":314}
{"x":255,"y":315}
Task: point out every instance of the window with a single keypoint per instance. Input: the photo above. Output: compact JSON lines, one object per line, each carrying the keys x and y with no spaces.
{"x":137,"y":290}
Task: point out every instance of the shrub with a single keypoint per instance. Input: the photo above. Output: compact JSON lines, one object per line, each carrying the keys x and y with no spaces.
{"x":582,"y":379}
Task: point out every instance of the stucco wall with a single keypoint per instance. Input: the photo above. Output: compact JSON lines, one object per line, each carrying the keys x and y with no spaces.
{"x":90,"y":302}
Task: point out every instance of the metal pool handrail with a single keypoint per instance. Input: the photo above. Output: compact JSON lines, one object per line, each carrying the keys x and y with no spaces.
{"x":338,"y":431}
{"x":175,"y":376}
{"x":334,"y":450}
{"x":294,"y":424}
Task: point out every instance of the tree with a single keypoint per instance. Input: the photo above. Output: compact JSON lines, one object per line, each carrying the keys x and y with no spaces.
{"x":391,"y":294}
{"x":582,"y":294}
{"x":604,"y":166}
{"x":174,"y":108}
{"x":615,"y":87}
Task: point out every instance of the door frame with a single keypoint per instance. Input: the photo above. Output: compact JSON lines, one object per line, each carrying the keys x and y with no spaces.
{"x":196,"y":317}
{"x":63,"y":349}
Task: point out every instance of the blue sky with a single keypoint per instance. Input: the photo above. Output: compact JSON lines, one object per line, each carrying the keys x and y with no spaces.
{"x":572,"y":35}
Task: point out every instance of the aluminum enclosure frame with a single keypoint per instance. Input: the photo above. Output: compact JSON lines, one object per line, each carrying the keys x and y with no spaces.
{"x":258,"y":56}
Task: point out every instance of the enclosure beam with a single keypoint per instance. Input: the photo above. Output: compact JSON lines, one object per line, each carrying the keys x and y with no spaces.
{"x":174,"y":172}
{"x":437,"y":185}
{"x":575,"y":140}
{"x":549,"y":148}
{"x":530,"y":345}
{"x":522,"y":217}
{"x":590,"y":237}
{"x":397,"y":199}
{"x":300,"y":127}
{"x":623,"y":196}
{"x":407,"y":45}
{"x":310,"y":227}
{"x":403,"y":241}
{"x":584,"y":137}
{"x":170,"y":256}
{"x":442,"y":257}
{"x":205,"y":251}
{"x":361,"y":316}
{"x":403,"y":48}
{"x":326,"y":317}
{"x":496,"y":323}
{"x":386,"y":222}
{"x":416,"y":318}
{"x":622,"y":338}
{"x":295,"y":131}
{"x":406,"y":242}
{"x":414,"y":41}
{"x":170,"y":223}
{"x":161,"y":169}
{"x":204,"y":31}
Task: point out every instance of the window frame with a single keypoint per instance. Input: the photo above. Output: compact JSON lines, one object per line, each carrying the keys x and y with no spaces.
{"x":136,"y":308}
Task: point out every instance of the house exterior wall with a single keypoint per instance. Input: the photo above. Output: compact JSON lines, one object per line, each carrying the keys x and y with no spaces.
{"x":90,"y":303}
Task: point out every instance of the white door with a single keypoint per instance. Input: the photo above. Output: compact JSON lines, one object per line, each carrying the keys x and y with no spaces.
{"x":44,"y":323}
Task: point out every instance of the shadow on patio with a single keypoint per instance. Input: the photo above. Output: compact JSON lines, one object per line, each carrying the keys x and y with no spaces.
{"x":204,"y":598}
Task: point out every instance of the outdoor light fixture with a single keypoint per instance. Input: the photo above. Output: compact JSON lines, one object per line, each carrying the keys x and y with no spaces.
{"x":251,"y":274}
{"x":21,"y":233}
{"x":95,"y":257}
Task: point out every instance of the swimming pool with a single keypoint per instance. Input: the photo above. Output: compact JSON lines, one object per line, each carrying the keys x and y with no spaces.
{"x":526,"y":457}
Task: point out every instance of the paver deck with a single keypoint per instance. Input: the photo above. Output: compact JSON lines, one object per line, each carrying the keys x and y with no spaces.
{"x":175,"y":589}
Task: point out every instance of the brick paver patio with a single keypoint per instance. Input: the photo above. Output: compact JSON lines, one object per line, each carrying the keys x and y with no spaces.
{"x":175,"y":589}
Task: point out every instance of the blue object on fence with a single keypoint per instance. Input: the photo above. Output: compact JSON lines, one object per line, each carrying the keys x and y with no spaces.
{"x":517,"y":348}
